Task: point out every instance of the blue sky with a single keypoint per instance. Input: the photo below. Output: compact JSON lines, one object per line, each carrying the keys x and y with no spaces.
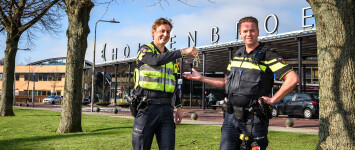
{"x":137,"y":16}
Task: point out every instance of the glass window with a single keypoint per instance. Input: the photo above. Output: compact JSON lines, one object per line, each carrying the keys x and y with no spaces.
{"x":44,"y":77}
{"x":308,"y":73}
{"x":17,"y":76}
{"x":315,"y":73}
{"x":58,"y":93}
{"x":40,"y":77}
{"x":303,"y":97}
{"x":49,"y":93}
{"x":288,"y":97}
{"x":26,"y":77}
{"x":49,"y":76}
{"x":59,"y":77}
{"x":44,"y":93}
{"x":315,"y":96}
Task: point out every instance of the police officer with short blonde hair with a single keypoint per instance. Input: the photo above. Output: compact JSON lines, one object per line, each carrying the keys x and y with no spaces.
{"x":249,"y":77}
{"x":155,"y":85}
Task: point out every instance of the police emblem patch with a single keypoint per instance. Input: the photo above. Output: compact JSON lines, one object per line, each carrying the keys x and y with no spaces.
{"x":281,"y":60}
{"x":144,"y":49}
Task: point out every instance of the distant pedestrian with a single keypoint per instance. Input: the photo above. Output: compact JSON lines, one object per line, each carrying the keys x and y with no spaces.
{"x":210,"y":98}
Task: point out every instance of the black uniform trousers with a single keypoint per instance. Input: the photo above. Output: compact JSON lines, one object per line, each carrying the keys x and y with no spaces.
{"x":154,"y":119}
{"x":232,"y":128}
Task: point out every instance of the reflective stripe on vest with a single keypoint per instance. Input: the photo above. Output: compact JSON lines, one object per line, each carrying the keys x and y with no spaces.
{"x":160,"y":78}
{"x":273,"y":64}
{"x":245,"y":63}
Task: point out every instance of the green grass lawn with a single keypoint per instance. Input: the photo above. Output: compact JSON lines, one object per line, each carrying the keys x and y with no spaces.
{"x":36,"y":129}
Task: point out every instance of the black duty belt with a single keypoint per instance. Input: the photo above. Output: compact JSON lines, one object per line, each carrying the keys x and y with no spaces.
{"x":159,"y":101}
{"x":241,"y":101}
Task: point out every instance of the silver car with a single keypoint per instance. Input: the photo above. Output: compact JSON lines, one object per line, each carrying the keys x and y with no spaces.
{"x":52,"y":99}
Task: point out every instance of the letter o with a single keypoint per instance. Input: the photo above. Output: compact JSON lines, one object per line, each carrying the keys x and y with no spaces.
{"x":276,"y":24}
{"x":126,"y":51}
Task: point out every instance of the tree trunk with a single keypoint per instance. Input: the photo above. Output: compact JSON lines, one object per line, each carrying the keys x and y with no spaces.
{"x":8,"y":75}
{"x":78,"y":29}
{"x":336,"y":59}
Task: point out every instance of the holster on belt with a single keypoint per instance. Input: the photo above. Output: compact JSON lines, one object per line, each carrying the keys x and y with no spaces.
{"x":240,"y":113}
{"x":227,"y":107}
{"x":134,"y":101}
{"x":265,"y":109}
{"x":261,"y":110}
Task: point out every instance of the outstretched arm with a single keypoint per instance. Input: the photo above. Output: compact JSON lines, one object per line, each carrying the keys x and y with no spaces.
{"x":163,"y":58}
{"x":216,"y":82}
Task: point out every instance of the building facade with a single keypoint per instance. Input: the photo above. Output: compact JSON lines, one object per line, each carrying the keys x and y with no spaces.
{"x":46,"y":77}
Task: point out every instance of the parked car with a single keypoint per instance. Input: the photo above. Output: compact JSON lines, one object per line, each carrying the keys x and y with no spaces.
{"x":52,"y":99}
{"x":88,"y":99}
{"x":219,"y":103}
{"x":297,"y":104}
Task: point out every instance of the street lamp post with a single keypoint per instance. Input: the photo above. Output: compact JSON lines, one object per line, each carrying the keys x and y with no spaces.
{"x":93,"y":63}
{"x":14,"y":101}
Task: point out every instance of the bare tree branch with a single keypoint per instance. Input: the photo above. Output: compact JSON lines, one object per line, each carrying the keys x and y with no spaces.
{"x":4,"y":20}
{"x":185,"y":3}
{"x":38,"y":17}
{"x":10,"y":10}
{"x":211,"y":1}
{"x":159,"y":2}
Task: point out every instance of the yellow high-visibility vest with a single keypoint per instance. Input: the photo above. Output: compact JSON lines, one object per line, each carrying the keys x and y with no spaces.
{"x":159,"y":78}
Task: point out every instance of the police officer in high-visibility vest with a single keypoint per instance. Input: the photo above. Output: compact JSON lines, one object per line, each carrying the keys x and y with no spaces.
{"x":248,"y":82}
{"x":155,"y":86}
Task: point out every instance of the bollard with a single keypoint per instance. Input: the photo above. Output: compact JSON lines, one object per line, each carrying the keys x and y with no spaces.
{"x":115,"y":111}
{"x":97,"y":109}
{"x":289,"y":122}
{"x":194,"y":116}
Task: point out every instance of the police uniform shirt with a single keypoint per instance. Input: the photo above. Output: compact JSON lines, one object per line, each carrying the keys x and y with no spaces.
{"x":272,"y":64}
{"x":146,"y":56}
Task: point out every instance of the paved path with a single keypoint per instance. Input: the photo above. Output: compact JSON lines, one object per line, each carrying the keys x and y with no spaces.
{"x":205,"y":117}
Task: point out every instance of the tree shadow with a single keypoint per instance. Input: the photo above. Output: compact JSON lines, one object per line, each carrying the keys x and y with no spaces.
{"x":42,"y":115}
{"x":13,"y":143}
{"x":345,"y":57}
{"x":16,"y":142}
{"x":345,"y":60}
{"x":104,"y":129}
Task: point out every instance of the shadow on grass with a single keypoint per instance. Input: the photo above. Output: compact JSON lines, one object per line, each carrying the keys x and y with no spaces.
{"x":305,"y":126}
{"x":42,"y":115}
{"x":104,"y":129}
{"x":20,"y":143}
